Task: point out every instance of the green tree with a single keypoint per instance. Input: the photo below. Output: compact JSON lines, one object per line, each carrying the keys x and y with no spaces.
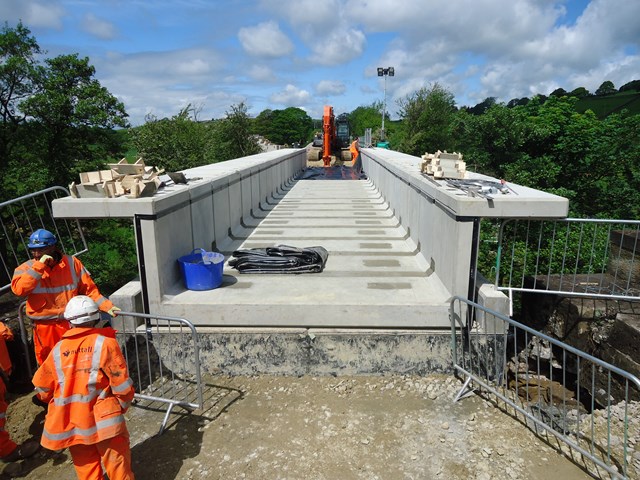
{"x":284,"y":127}
{"x":558,"y":92}
{"x":368,"y":117}
{"x":427,"y":117}
{"x":174,"y":143}
{"x":632,"y":86}
{"x":492,"y":141}
{"x":606,"y":88}
{"x":232,"y":136}
{"x":483,"y":106}
{"x":75,"y":113}
{"x":18,"y":68}
{"x":579,"y":92}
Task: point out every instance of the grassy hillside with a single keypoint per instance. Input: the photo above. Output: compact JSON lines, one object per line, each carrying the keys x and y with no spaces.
{"x":606,"y":105}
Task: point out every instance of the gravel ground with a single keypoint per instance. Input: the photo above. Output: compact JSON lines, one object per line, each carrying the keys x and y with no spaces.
{"x":388,"y":427}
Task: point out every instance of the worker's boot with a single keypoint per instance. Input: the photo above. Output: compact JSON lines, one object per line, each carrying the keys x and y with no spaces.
{"x":26,"y":450}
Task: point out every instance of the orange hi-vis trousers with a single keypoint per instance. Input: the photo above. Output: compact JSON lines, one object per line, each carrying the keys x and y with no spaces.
{"x":46,"y":335}
{"x":114,"y":453}
{"x":6,"y":444}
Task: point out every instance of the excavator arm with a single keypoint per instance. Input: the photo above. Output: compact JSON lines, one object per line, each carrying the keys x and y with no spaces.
{"x":329,"y":134}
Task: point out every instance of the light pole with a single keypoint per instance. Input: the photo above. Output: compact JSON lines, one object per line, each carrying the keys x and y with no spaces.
{"x":383,"y":72}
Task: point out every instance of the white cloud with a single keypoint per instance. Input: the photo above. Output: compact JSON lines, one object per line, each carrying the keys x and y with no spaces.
{"x":291,"y":96}
{"x":261,"y":73}
{"x":98,"y":28}
{"x":265,"y":40}
{"x":165,"y":82}
{"x":164,"y":57}
{"x":330,"y":87}
{"x":34,"y":14}
{"x":339,"y":47}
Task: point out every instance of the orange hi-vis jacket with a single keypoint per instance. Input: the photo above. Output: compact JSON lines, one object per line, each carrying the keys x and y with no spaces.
{"x":5,"y":359}
{"x":354,"y":148}
{"x":85,"y":382}
{"x":49,"y":289}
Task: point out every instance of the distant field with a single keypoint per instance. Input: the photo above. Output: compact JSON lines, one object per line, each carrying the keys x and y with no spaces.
{"x":603,"y":106}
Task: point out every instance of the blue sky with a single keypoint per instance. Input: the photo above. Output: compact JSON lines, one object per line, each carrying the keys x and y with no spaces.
{"x":157,"y":56}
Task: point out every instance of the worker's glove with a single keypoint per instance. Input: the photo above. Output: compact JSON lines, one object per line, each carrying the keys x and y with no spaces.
{"x":47,"y":260}
{"x":113,"y":311}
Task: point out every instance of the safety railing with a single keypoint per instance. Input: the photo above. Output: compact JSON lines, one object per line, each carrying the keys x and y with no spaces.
{"x":163,"y":356}
{"x":572,"y":257}
{"x":560,"y":391}
{"x":21,"y":216}
{"x":163,"y":359}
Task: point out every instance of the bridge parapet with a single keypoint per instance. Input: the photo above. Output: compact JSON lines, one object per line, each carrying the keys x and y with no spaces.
{"x":221,"y":204}
{"x":202,"y":213}
{"x":440,"y":215}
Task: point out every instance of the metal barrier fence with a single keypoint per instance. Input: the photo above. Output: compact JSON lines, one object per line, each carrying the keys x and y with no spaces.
{"x":163,"y":358}
{"x":573,"y":257}
{"x":21,"y":216}
{"x":586,"y":403}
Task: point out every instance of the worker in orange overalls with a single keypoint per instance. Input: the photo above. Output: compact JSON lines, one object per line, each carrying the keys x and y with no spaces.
{"x":356,"y":161}
{"x":9,"y":451}
{"x":354,"y":148}
{"x":49,"y":281}
{"x":85,"y":382}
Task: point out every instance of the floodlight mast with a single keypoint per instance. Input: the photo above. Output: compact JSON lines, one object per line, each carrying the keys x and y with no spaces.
{"x":384,"y":72}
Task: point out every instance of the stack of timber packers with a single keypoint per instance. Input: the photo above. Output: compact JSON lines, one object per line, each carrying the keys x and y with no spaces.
{"x":131,"y":179}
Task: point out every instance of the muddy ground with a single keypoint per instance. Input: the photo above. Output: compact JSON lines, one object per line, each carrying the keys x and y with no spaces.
{"x":388,"y":427}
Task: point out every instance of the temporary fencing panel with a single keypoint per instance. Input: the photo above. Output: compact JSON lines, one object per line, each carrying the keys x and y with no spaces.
{"x":163,"y":358}
{"x":561,"y":391}
{"x":22,"y":216}
{"x":576,"y":257}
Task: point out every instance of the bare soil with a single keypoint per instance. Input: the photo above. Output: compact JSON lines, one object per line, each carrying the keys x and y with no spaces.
{"x":264,"y":427}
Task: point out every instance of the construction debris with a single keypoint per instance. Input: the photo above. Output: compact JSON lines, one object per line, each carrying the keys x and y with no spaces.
{"x":444,"y":165}
{"x":131,"y":179}
{"x":480,"y":188}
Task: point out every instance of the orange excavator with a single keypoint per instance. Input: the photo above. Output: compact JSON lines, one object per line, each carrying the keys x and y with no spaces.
{"x":335,"y":139}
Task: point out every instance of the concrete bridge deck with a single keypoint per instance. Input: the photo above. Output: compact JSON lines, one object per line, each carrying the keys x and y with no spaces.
{"x":374,"y":275}
{"x":400,"y":245}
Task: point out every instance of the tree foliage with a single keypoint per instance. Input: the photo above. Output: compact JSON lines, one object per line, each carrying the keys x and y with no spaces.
{"x":370,"y":117}
{"x":606,"y":88}
{"x":232,"y":137}
{"x":427,"y":116}
{"x":174,"y":143}
{"x":55,"y":117}
{"x":284,"y":127}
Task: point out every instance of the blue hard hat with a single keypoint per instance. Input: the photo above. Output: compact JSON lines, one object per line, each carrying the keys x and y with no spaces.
{"x":42,"y":238}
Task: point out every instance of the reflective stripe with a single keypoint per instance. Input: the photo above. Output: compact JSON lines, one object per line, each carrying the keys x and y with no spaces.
{"x":59,"y":289}
{"x":93,"y":376}
{"x":101,"y":300}
{"x":33,"y":274}
{"x":42,"y":318}
{"x":123,"y":386}
{"x":124,"y":405}
{"x":41,"y":390}
{"x":58,"y":364}
{"x":75,"y":279}
{"x":84,"y":432}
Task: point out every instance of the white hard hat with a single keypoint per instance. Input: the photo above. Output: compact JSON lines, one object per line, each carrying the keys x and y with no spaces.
{"x":81,"y":309}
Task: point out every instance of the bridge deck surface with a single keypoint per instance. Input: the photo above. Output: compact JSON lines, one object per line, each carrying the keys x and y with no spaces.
{"x":373,"y":277}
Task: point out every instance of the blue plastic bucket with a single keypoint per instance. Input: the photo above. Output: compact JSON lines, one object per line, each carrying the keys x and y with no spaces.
{"x":202,"y":270}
